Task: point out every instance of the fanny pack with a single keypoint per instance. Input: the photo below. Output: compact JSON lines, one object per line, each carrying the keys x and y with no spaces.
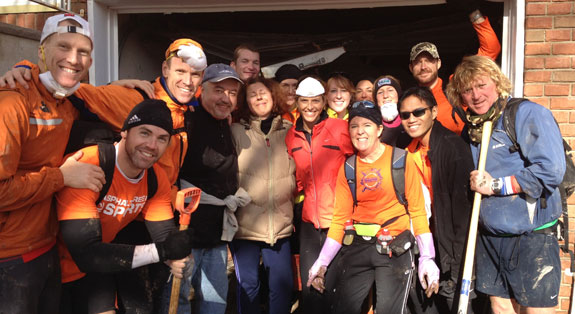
{"x":402,"y":243}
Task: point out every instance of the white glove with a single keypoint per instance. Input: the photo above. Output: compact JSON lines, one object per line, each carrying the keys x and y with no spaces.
{"x":194,"y":56}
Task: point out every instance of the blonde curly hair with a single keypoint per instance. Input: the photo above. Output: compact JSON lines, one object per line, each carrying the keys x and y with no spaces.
{"x":467,"y":72}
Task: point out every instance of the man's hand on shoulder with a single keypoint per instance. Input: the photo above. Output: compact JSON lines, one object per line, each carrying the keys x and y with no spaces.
{"x":15,"y":75}
{"x":82,"y":175}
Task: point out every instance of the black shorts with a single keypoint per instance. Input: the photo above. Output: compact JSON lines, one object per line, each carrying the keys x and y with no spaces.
{"x":93,"y":293}
{"x":526,"y":268}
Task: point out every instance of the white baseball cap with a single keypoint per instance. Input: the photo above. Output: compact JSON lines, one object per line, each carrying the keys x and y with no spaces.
{"x":51,"y":26}
{"x":309,"y":87}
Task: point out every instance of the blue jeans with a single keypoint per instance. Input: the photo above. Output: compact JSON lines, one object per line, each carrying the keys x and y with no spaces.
{"x":209,"y":279}
{"x":277,"y":264}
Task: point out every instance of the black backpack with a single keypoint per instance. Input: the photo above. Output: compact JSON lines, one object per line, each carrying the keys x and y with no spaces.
{"x":566,"y":187}
{"x":107,"y":158}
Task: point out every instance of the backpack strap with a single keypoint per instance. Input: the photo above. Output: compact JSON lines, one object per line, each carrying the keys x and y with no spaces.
{"x":152,"y":183}
{"x":349,"y":168}
{"x":509,"y":114}
{"x":398,"y":174}
{"x":107,"y":161}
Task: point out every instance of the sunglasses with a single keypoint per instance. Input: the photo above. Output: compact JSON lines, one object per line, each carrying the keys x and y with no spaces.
{"x":363,"y":103}
{"x":404,"y":115}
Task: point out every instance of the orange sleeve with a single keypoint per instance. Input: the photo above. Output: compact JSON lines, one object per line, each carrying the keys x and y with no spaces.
{"x":72,"y":203}
{"x":111,"y":103}
{"x":20,"y":188}
{"x":343,"y":206}
{"x":159,"y":207}
{"x":489,"y":45}
{"x":414,"y":195}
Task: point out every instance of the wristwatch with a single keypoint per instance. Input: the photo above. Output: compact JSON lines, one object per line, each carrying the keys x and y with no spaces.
{"x":476,"y":16}
{"x":496,"y":185}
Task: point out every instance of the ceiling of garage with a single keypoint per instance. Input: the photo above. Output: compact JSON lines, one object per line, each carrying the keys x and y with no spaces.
{"x":377,"y":40}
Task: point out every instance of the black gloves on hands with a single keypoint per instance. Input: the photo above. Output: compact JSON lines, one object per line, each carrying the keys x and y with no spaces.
{"x":176,"y":246}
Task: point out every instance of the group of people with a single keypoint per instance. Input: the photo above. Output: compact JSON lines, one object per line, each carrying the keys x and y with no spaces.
{"x":257,"y":148}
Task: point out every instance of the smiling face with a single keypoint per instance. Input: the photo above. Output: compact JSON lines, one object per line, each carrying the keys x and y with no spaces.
{"x":220,"y":98}
{"x":66,"y":55}
{"x":417,"y":127}
{"x":142,"y":146}
{"x":364,"y":135}
{"x":181,"y":80}
{"x":259,"y":99}
{"x":247,"y":65}
{"x":364,"y":91}
{"x":481,"y":95}
{"x":386,"y":94}
{"x":338,"y":97}
{"x":425,"y":69}
{"x":310,"y":109}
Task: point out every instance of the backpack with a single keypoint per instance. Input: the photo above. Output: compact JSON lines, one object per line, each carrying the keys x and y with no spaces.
{"x":567,"y":185}
{"x":397,"y":175}
{"x":107,"y":160}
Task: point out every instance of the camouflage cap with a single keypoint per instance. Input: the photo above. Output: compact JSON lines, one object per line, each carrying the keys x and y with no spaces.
{"x":423,"y":47}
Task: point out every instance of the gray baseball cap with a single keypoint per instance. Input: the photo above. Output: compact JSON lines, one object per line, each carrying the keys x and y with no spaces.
{"x":218,"y":72}
{"x":423,"y":47}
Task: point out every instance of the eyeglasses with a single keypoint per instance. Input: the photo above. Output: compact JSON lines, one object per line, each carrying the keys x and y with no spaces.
{"x":404,"y":115}
{"x":363,"y":103}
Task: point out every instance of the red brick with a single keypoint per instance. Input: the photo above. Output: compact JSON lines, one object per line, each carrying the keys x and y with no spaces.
{"x":573,"y":90}
{"x":530,"y":90}
{"x":11,"y":19}
{"x":564,"y":76}
{"x":564,"y":304}
{"x":563,"y":48}
{"x":565,"y":21}
{"x":532,"y":35}
{"x":564,"y":103}
{"x":532,"y":22}
{"x":557,"y":90}
{"x":558,"y":8}
{"x":537,"y":76}
{"x":557,"y":63}
{"x":537,"y":49}
{"x":535,"y":9}
{"x":534,"y":63}
{"x":543,"y":101}
{"x":564,"y":291}
{"x":558,"y":35}
{"x":562,"y":116}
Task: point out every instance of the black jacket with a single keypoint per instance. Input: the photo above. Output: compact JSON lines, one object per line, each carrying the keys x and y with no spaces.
{"x":211,"y":164}
{"x":451,"y":163}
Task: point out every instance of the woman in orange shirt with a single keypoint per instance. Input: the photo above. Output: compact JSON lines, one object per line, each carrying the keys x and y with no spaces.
{"x":365,"y":258}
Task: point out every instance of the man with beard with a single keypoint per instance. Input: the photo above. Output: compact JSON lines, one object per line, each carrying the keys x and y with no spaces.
{"x":424,"y":64}
{"x":89,"y":221}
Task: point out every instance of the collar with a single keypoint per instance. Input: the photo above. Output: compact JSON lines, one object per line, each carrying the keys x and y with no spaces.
{"x":299,"y":122}
{"x":332,"y":114}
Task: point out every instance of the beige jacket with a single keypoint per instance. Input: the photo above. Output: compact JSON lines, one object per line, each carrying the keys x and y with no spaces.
{"x":267,"y":173}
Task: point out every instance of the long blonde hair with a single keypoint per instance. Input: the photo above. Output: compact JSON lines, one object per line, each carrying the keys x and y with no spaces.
{"x":468,"y":70}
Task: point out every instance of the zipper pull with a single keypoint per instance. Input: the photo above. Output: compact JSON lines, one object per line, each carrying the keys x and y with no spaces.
{"x":268,"y":142}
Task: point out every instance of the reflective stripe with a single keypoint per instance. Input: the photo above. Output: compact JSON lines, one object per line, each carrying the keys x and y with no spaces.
{"x":45,"y":122}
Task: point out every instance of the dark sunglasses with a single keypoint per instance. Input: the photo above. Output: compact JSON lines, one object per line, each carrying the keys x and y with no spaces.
{"x":404,"y":115}
{"x":363,"y":103}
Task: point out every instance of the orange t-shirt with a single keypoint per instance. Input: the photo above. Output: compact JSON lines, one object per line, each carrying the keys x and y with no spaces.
{"x":125,"y":200}
{"x":422,"y":162}
{"x":376,"y":199}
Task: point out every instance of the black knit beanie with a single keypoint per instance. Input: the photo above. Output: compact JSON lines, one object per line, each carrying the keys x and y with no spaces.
{"x":150,"y":111}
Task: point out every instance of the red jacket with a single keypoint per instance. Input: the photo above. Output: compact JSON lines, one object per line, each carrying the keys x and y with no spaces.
{"x":317,"y":165}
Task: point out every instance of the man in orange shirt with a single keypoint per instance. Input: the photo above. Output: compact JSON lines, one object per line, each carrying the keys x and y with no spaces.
{"x":89,"y":222}
{"x":424,"y":64}
{"x":34,"y":130}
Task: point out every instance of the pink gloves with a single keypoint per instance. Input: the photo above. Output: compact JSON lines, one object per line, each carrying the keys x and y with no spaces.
{"x":318,"y":269}
{"x":427,"y":271}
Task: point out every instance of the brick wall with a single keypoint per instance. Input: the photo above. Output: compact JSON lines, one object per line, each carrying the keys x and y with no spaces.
{"x":550,"y":81}
{"x":36,"y":20}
